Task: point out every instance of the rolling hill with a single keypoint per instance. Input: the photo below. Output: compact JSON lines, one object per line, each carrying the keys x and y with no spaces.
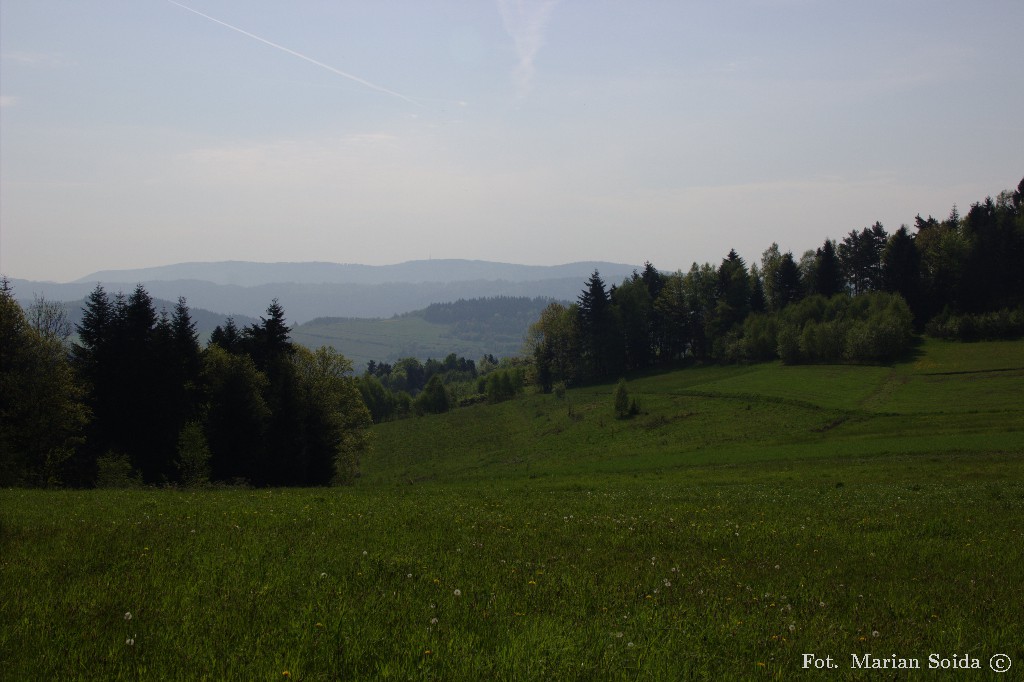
{"x":469,"y":328}
{"x":951,"y":399}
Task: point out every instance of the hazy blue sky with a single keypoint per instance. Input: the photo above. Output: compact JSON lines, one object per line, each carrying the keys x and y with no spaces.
{"x":145,"y":132}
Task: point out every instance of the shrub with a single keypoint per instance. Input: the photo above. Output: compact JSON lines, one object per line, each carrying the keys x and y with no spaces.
{"x":434,"y":398}
{"x":193,"y":456}
{"x":1000,"y":324}
{"x":114,"y":470}
{"x":789,"y":345}
{"x":760,"y":338}
{"x":824,"y":341}
{"x":883,"y":336}
{"x":874,"y":327}
{"x":621,"y":399}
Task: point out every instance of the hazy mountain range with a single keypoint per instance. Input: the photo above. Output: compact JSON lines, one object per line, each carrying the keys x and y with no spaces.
{"x":311,"y":290}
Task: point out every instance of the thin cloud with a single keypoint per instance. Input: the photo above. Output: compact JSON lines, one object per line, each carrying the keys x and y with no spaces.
{"x":7,"y":101}
{"x":50,"y":59}
{"x":525,"y":22}
{"x":344,"y":74}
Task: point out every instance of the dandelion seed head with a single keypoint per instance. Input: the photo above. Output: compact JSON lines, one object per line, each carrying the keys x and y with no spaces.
{"x":127,"y":615}
{"x":874,"y":633}
{"x":457,"y":593}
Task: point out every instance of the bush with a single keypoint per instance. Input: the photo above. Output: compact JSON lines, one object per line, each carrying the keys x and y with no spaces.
{"x":883,"y":336}
{"x":434,"y":398}
{"x":503,"y":384}
{"x":1000,"y":324}
{"x":559,"y":390}
{"x":824,"y":341}
{"x":621,"y":400}
{"x":874,"y":327}
{"x":114,"y":470}
{"x":760,"y":338}
{"x":789,"y":345}
{"x":193,"y":456}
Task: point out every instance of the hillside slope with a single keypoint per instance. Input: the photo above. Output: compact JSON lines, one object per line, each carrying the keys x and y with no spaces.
{"x":469,"y":328}
{"x":952,"y":398}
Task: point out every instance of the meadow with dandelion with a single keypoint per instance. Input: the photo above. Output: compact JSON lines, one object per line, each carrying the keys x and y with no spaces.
{"x":745,"y":517}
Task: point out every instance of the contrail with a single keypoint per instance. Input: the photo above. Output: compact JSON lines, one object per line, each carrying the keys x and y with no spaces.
{"x":525,"y":22}
{"x":330,"y":68}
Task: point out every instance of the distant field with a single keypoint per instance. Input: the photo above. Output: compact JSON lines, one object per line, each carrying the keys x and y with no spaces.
{"x":748,"y":516}
{"x":362,"y":340}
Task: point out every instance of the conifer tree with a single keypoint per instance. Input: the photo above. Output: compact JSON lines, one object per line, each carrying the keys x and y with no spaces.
{"x":828,"y":276}
{"x":788,"y":287}
{"x":227,"y":337}
{"x":901,"y":267}
{"x":602,"y":343}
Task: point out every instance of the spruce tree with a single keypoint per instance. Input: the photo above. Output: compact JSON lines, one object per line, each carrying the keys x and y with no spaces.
{"x":901,"y":268}
{"x":601,"y":341}
{"x":226,"y":337}
{"x":788,"y":287}
{"x":828,"y":276}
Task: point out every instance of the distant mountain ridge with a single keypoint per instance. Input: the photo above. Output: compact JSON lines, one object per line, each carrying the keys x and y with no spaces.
{"x":248,"y":274}
{"x":311,"y":290}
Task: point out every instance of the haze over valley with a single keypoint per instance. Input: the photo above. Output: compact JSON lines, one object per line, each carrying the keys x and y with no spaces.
{"x":311,"y":290}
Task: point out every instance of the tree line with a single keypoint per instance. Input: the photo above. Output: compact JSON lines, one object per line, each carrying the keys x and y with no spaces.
{"x":856,"y":300}
{"x":136,"y":398}
{"x":410,"y":387}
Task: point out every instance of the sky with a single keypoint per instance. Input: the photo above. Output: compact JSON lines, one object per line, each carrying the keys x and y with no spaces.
{"x":137,"y":133}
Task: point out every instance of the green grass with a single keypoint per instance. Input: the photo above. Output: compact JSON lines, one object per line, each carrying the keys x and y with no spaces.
{"x":749,"y":515}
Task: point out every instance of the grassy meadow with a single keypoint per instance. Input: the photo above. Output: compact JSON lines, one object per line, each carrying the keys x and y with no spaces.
{"x":746,"y":517}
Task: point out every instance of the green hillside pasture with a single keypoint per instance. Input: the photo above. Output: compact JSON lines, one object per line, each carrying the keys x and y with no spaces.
{"x":717,"y":415}
{"x":984,"y":356}
{"x":727,"y":572}
{"x":944,"y":377}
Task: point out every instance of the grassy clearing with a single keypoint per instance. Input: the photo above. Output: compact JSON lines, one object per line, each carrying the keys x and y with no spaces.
{"x":724,"y":532}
